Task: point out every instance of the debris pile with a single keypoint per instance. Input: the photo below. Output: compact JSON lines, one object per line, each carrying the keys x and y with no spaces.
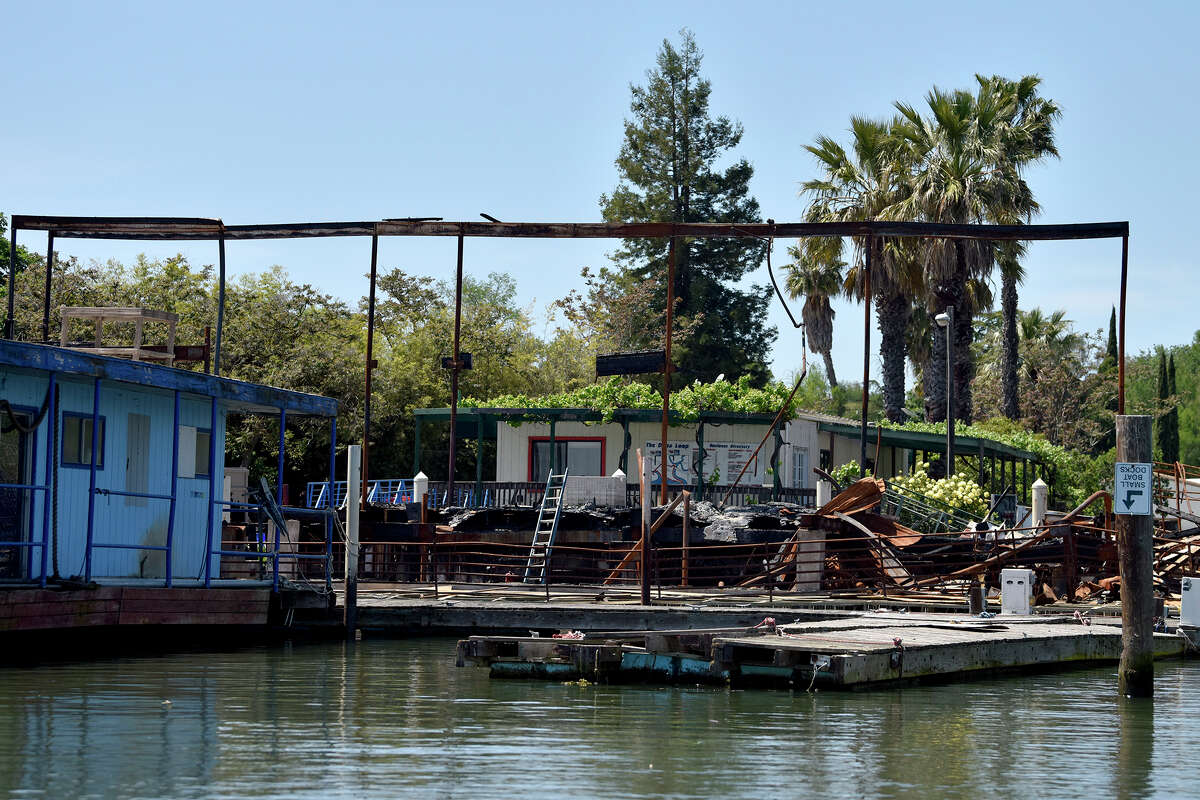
{"x":851,"y":545}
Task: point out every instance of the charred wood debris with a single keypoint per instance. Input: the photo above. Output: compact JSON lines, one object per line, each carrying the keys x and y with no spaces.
{"x":862,"y":551}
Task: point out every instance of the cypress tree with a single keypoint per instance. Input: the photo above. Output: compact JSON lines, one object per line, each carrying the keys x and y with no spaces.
{"x":1160,"y":433}
{"x":1108,"y":371}
{"x":1170,"y":420}
{"x":1111,"y":355}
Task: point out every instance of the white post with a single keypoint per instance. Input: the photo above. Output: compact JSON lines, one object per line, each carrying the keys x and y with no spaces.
{"x":353,"y":497}
{"x":619,"y":484}
{"x":1041,"y":497}
{"x":420,"y":487}
{"x":824,"y":492}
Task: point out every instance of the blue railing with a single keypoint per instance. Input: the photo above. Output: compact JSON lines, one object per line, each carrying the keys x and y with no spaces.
{"x":398,"y":491}
{"x":389,"y":491}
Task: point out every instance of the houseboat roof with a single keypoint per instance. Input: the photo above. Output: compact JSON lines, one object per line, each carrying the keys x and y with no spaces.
{"x":238,"y":395}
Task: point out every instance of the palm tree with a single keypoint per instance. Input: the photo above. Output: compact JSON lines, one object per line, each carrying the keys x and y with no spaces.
{"x":968,"y":158}
{"x":818,"y":279}
{"x":951,"y":181}
{"x":1054,"y":332}
{"x":859,"y":186}
{"x":1011,"y":273}
{"x":1025,"y":133}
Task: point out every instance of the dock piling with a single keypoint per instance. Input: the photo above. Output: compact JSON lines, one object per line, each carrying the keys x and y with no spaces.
{"x":1135,"y":677}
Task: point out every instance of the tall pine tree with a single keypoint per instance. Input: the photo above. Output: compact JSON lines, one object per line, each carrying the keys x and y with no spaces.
{"x":669,"y":173}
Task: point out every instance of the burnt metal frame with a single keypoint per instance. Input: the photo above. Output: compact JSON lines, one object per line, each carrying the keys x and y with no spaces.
{"x":177,"y":228}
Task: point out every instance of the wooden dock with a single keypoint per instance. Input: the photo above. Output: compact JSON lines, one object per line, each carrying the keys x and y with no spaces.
{"x":872,"y":649}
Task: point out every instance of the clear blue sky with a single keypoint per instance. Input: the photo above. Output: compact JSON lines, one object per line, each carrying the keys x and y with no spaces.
{"x":279,"y":112}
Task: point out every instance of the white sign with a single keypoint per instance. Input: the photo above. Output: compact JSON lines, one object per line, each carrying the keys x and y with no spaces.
{"x":1132,"y":487}
{"x":722,"y":463}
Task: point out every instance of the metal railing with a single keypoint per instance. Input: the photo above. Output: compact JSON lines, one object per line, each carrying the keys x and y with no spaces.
{"x":922,"y":513}
{"x":742,"y":495}
{"x":388,"y":491}
{"x":499,"y":494}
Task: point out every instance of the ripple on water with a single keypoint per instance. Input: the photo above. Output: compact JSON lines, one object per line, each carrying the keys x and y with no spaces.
{"x":384,"y":717}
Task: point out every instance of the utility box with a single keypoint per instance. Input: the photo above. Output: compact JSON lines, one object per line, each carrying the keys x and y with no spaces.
{"x":1189,"y":606}
{"x":1016,"y":590}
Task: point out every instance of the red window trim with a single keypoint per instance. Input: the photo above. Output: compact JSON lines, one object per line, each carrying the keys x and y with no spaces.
{"x":603,"y":450}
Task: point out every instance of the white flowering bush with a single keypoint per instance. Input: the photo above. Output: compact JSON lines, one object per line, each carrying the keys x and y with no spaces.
{"x":955,"y":492}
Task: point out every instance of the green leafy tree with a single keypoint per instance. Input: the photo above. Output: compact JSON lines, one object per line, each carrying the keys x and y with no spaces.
{"x":1142,"y":396}
{"x":25,"y":327}
{"x":1167,"y":428}
{"x":415,"y":328}
{"x":669,"y":172}
{"x":1065,"y":391}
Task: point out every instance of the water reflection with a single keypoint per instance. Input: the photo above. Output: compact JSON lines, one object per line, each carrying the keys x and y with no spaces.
{"x":1136,"y":751}
{"x":337,"y":720}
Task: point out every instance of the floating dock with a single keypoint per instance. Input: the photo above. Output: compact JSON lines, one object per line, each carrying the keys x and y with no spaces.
{"x":871,"y":649}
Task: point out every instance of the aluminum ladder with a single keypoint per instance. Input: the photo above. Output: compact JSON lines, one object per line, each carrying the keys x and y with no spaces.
{"x":546,"y":528}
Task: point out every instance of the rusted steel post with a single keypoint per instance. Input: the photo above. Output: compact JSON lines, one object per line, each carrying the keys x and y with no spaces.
{"x":1136,"y":548}
{"x":454,"y":372}
{"x":687,"y":511}
{"x":662,"y":468}
{"x":220,"y":302}
{"x":647,"y":502}
{"x":366,"y":443}
{"x":207,"y":349}
{"x":46,"y":293}
{"x":951,"y":405}
{"x":9,"y":322}
{"x":1121,"y":327}
{"x":866,"y":384}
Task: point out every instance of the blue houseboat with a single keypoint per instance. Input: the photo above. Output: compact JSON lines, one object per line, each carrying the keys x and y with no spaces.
{"x":112,"y":470}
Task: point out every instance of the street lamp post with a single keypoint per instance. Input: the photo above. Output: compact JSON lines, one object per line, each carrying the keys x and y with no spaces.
{"x":946,"y":320}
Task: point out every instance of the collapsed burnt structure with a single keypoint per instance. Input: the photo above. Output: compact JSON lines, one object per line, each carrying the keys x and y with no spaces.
{"x":865,"y":542}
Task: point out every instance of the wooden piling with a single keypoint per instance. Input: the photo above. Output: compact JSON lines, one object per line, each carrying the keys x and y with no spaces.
{"x":1135,"y":677}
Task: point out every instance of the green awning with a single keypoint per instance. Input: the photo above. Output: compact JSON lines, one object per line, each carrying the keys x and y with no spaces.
{"x":934,"y":442}
{"x":467,"y":417}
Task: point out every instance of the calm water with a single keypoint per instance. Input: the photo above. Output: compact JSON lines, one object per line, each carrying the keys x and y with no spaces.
{"x":391,"y":718}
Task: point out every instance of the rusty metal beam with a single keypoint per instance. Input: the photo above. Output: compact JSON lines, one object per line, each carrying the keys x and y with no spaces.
{"x":605,"y":230}
{"x":195,"y":228}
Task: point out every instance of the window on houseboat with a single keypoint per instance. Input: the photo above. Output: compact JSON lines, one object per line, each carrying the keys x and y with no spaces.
{"x":77,"y":441}
{"x":203,"y":444}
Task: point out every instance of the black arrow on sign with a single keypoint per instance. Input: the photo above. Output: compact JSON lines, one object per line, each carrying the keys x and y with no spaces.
{"x":1129,"y":493}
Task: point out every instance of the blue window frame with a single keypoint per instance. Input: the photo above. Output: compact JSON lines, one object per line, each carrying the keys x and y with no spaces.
{"x":77,"y":441}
